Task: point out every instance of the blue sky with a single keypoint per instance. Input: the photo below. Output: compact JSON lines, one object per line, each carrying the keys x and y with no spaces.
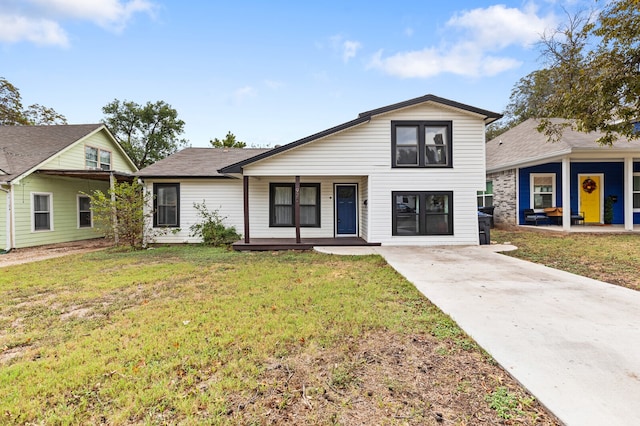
{"x":269,"y":71}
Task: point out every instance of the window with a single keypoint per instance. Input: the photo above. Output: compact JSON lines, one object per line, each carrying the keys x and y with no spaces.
{"x":41,"y":207}
{"x":422,"y":213}
{"x":282,"y":203}
{"x":84,"y":212}
{"x":485,"y":198}
{"x":543,"y":190}
{"x":421,"y":143}
{"x":636,"y":191}
{"x":166,"y":204}
{"x":97,"y":158}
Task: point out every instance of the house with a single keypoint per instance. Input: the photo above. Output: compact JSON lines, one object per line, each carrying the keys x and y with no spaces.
{"x":405,"y":173}
{"x":45,"y":172}
{"x":525,"y":171}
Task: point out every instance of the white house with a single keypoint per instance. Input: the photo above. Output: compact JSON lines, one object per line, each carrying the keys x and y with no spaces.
{"x":403,"y":174}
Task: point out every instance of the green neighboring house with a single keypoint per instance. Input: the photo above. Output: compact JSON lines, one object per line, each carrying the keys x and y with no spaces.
{"x":44,"y":171}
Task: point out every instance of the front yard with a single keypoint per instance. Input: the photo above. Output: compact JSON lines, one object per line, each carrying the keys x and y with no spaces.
{"x":192,"y":335}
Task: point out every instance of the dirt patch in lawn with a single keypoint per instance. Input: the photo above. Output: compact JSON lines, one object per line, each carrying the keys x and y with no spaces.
{"x":50,"y":251}
{"x":386,"y":378}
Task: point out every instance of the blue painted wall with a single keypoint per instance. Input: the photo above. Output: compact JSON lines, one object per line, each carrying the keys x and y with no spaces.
{"x":613,"y":185}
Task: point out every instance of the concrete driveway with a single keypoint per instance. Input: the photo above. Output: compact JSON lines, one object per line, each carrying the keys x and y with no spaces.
{"x":573,"y":342}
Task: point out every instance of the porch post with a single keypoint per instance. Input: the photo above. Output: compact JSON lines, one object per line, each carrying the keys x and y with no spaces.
{"x":245,"y":193}
{"x":566,"y":194}
{"x":296,"y":208}
{"x":628,"y":193}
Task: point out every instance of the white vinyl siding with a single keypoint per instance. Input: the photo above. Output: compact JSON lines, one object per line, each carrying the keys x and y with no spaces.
{"x":365,"y":151}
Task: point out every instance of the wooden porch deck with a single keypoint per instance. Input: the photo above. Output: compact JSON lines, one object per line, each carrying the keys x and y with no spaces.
{"x":272,"y":244}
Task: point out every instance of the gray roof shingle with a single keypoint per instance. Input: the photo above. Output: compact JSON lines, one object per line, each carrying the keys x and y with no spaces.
{"x":24,"y":147}
{"x":523,"y":144}
{"x":198,"y":162}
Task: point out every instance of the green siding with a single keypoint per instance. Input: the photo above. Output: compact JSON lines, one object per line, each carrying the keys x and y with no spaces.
{"x":65,"y":209}
{"x":3,"y":220}
{"x":73,"y":158}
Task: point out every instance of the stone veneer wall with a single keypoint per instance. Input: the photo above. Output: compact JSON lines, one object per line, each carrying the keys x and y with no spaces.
{"x":504,"y":197}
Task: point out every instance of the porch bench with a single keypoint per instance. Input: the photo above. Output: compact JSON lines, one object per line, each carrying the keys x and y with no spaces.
{"x":530,"y":216}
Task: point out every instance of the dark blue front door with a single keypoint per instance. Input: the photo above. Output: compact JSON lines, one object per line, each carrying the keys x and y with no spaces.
{"x":346,"y":209}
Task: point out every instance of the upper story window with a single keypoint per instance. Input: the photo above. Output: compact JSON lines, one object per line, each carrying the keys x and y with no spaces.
{"x":543,"y":190}
{"x":96,"y":158}
{"x":421,"y":143}
{"x":485,"y":198}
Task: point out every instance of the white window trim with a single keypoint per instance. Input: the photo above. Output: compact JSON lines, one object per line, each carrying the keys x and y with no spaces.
{"x":553,"y":191}
{"x":636,"y":210}
{"x":98,"y":162}
{"x":78,"y":212}
{"x":33,"y":213}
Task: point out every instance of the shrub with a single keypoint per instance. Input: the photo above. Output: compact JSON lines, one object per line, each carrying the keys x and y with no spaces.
{"x":211,"y":228}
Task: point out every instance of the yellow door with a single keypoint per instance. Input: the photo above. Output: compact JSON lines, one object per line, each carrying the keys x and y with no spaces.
{"x":590,"y":190}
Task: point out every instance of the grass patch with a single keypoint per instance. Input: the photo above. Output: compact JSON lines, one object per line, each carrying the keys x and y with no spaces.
{"x":195,"y":335}
{"x":613,"y":258}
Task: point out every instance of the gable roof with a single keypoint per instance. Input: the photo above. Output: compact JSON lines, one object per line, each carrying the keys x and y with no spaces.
{"x":363,"y":118}
{"x":198,"y":162}
{"x":523,"y":145}
{"x":22,"y":148}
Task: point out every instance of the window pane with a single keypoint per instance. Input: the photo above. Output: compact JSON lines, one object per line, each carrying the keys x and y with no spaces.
{"x":41,"y":221}
{"x":91,"y":157}
{"x":167,"y":215}
{"x":480,"y":201}
{"x":283,"y":195}
{"x":105,"y":160}
{"x":636,"y":183}
{"x":437,"y":204}
{"x":435,"y":135}
{"x":541,"y":201}
{"x":84,"y":203}
{"x":488,"y":201}
{"x":489,"y":189}
{"x":407,"y":135}
{"x":407,"y":215}
{"x":85,"y":219}
{"x":167,"y":205}
{"x":167,"y":196}
{"x":543,"y":184}
{"x":436,"y":155}
{"x":407,"y":145}
{"x":437,"y":224}
{"x":636,"y":201}
{"x":283,"y":215}
{"x":41,"y":203}
{"x":407,"y":155}
{"x":308,"y":195}
{"x":308,"y":215}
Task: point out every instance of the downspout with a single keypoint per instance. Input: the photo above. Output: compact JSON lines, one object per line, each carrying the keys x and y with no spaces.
{"x":9,"y":228}
{"x":112,"y":186}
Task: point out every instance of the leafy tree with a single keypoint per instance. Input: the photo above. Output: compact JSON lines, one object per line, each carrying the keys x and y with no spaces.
{"x":12,"y":113}
{"x":229,"y":141}
{"x":592,"y":70}
{"x":147,"y":133}
{"x":120,"y":213}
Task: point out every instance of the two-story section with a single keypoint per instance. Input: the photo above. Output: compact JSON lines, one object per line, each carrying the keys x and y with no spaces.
{"x":46,"y":173}
{"x":404,"y":174}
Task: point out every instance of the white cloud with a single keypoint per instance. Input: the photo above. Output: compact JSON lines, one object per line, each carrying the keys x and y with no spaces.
{"x":243,"y":93}
{"x":349,"y":49}
{"x":14,"y":28}
{"x":40,"y":21}
{"x":273,"y":84}
{"x":472,"y":39}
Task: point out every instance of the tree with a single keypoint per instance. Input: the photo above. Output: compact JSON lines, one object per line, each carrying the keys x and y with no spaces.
{"x":127,"y":201}
{"x":147,"y":133}
{"x":592,"y":68}
{"x":12,"y":113}
{"x":229,"y":141}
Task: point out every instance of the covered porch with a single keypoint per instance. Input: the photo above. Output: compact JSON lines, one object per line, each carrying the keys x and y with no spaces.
{"x":274,"y":244}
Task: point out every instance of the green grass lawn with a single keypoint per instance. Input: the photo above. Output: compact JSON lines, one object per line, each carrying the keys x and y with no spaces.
{"x":613,"y":258}
{"x":193,"y":335}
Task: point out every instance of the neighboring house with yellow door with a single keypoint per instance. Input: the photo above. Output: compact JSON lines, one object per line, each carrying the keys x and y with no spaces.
{"x":525,"y":171}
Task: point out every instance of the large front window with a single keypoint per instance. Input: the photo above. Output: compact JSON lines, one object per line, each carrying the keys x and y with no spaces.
{"x":166,"y":204}
{"x":422,"y":213}
{"x":282,"y":204}
{"x":485,"y":198}
{"x":543,"y":190}
{"x":41,"y":204}
{"x":421,"y":143}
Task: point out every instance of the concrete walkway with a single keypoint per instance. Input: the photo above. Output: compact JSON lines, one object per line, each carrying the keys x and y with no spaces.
{"x":573,"y":342}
